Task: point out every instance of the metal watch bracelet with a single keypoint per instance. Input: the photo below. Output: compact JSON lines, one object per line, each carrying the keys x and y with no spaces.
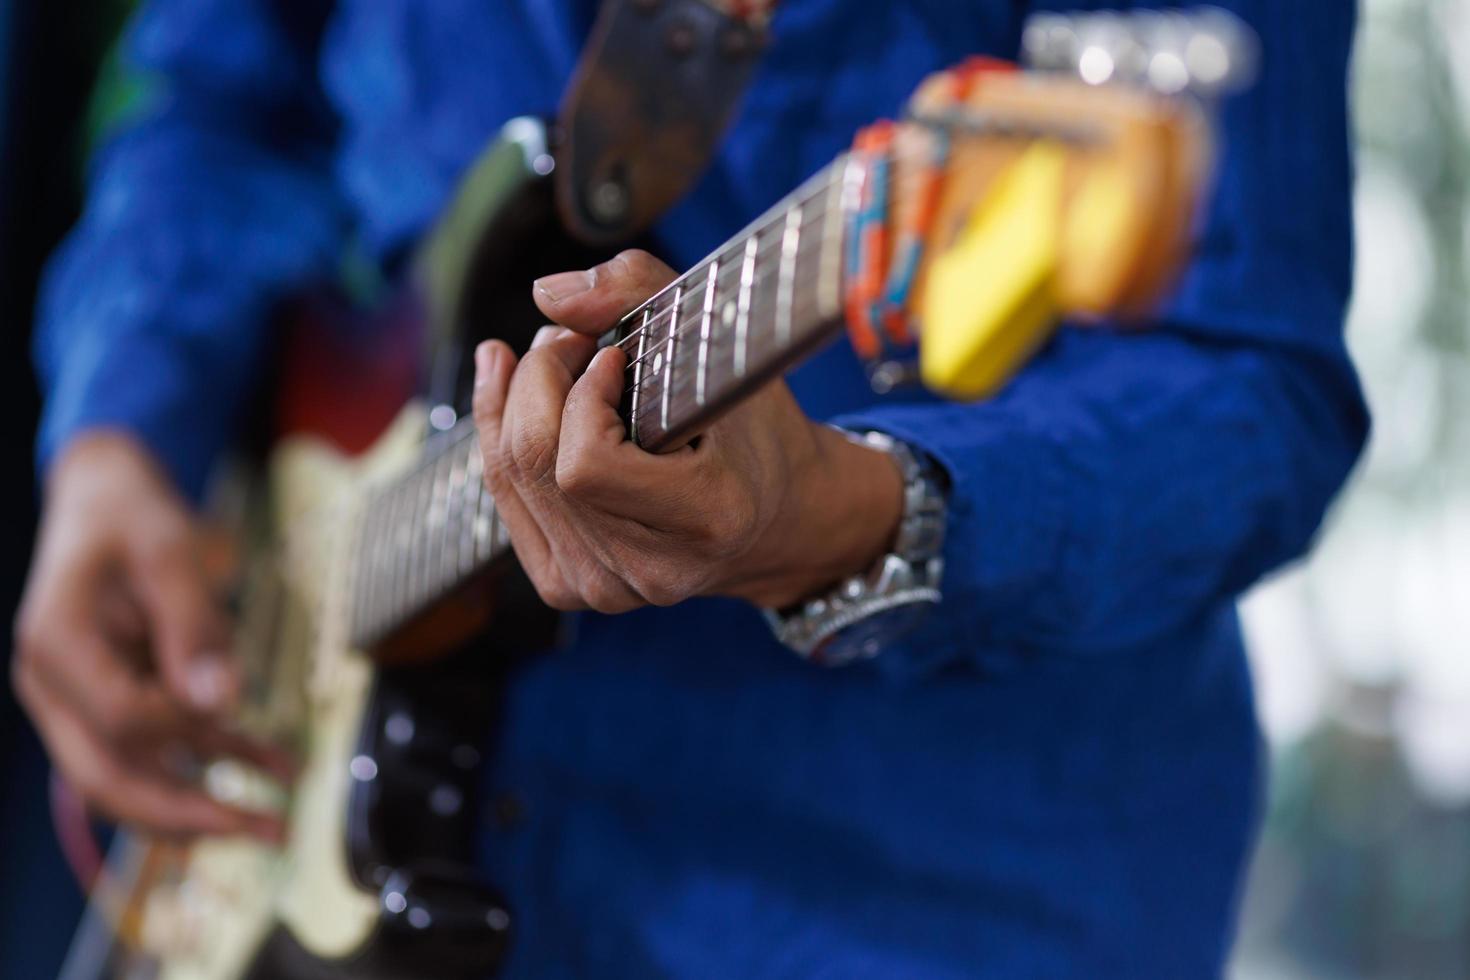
{"x":890,"y":597}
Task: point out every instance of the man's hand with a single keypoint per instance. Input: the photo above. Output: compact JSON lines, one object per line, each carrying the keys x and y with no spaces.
{"x":766,"y":505}
{"x":121,"y":647}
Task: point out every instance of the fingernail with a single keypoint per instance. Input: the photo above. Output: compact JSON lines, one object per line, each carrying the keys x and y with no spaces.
{"x":209,"y":680}
{"x":565,"y":285}
{"x":486,"y":356}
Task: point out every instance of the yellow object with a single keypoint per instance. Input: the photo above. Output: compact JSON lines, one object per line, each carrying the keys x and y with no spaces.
{"x":988,"y":301}
{"x":1092,"y":264}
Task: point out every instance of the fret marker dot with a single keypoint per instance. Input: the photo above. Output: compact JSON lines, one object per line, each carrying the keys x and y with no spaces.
{"x":658,"y":362}
{"x":727,"y":314}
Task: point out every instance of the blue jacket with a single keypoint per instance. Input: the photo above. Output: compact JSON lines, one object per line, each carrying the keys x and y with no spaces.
{"x":1059,"y":775}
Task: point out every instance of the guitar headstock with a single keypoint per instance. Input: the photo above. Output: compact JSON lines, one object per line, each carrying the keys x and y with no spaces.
{"x":1068,"y":189}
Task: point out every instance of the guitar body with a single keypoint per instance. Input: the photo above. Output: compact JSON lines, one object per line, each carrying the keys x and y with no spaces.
{"x":376,"y":880}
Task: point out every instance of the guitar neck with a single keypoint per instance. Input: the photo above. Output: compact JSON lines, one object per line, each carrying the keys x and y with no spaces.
{"x":750,"y":310}
{"x":744,"y":315}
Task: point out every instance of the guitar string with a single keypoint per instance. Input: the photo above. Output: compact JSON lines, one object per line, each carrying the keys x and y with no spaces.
{"x":679,"y":392}
{"x":813,"y":205}
{"x":686,"y":325}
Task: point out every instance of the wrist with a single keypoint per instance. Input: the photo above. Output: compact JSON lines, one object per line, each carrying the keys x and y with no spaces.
{"x":839,"y":515}
{"x":105,"y":461}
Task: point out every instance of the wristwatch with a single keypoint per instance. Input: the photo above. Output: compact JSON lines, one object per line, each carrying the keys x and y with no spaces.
{"x":863,"y":614}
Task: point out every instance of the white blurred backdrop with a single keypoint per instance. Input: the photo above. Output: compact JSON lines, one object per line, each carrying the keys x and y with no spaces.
{"x":1362,"y":653}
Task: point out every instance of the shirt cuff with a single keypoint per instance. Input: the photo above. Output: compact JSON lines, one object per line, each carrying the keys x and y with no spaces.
{"x":147,"y":386}
{"x":1004,"y":534}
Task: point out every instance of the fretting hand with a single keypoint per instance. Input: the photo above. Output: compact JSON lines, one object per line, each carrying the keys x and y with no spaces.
{"x":766,"y":504}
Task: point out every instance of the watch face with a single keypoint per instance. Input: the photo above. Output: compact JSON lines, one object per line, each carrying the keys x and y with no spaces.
{"x":867,"y":637}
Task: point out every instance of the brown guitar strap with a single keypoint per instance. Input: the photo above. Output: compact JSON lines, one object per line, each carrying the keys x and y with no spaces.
{"x":657,"y":85}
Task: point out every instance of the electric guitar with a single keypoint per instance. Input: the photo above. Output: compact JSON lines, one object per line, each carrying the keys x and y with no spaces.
{"x":381,"y":608}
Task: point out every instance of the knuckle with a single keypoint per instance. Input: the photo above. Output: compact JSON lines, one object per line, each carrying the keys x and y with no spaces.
{"x":532,"y":451}
{"x":560,"y":597}
{"x":658,"y":588}
{"x":575,"y":474}
{"x":604,"y":597}
{"x":554,"y":591}
{"x":638,"y":266}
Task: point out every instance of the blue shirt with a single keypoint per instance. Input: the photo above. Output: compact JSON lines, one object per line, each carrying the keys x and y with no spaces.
{"x":1059,"y":775}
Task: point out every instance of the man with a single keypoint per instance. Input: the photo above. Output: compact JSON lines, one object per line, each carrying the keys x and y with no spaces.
{"x":1057,"y":774}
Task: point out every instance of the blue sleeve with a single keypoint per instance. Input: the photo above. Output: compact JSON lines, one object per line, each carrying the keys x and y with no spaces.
{"x":154,"y":314}
{"x":1125,"y":485}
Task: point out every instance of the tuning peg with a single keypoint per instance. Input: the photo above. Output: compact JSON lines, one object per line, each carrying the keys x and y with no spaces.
{"x":1207,"y":51}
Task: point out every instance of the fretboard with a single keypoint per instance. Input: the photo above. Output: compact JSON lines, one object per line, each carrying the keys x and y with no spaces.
{"x":744,"y":315}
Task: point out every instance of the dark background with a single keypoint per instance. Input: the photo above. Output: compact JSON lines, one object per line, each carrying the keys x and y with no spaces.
{"x":49,"y":53}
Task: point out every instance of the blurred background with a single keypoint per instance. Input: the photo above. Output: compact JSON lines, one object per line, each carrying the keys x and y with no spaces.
{"x":1362,"y":654}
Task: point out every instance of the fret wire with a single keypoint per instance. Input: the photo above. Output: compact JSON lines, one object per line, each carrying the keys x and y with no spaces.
{"x":829,"y":274}
{"x":709,"y":310}
{"x":742,"y":313}
{"x":809,"y":189}
{"x":763,"y":267}
{"x":786,"y":280}
{"x":802,"y":310}
{"x":669,"y":356}
{"x":638,"y":362}
{"x":698,"y":269}
{"x":729,"y":274}
{"x":685,"y":326}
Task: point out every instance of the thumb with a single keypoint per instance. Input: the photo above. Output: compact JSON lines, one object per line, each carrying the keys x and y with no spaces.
{"x":591,"y":301}
{"x":188,"y":630}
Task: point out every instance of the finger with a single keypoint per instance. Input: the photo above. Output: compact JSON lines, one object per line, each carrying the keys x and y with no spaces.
{"x":106,"y":780}
{"x":531,"y":418}
{"x":494,"y":367}
{"x":63,"y":648}
{"x":188,"y":629}
{"x":531,"y":440}
{"x":125,"y":710}
{"x":593,"y":300}
{"x":598,"y":466}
